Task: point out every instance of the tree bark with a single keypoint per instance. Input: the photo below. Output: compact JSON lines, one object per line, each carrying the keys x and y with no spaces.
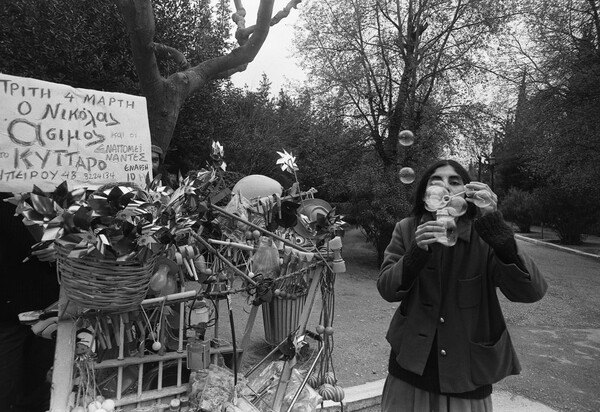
{"x":166,"y":96}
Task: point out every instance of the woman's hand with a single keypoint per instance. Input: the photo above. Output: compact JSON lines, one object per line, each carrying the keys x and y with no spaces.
{"x":476,"y":191}
{"x":428,"y":233}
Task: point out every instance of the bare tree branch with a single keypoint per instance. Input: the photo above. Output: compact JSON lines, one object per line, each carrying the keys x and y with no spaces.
{"x":165,"y":96}
{"x":171,"y":53}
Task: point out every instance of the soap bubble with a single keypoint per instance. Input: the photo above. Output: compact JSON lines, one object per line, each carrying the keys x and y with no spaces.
{"x":406,"y":138}
{"x":435,"y":198}
{"x":457,"y":206}
{"x":482,"y":198}
{"x":407,"y":175}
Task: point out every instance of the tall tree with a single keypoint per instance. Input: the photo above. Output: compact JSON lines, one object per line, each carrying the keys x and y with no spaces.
{"x":167,"y":92}
{"x":400,"y":64}
{"x":178,"y":48}
{"x":562,"y":133}
{"x":510,"y":150}
{"x":82,"y":44}
{"x":388,"y":65}
{"x":567,"y":93}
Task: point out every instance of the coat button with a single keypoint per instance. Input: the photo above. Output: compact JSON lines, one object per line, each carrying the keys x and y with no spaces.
{"x":442,"y":320}
{"x":443,"y":352}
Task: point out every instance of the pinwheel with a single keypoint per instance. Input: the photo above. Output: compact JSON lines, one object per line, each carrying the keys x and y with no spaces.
{"x":287,"y":162}
{"x":216,"y":155}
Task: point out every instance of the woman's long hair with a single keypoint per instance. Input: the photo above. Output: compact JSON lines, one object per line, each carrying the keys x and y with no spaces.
{"x":419,"y":207}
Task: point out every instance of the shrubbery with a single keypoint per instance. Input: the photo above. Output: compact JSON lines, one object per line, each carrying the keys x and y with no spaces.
{"x":572,"y":212}
{"x":518,"y":207}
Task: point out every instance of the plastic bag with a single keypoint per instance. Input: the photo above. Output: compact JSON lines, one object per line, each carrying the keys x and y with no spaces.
{"x":212,"y":387}
{"x":261,"y":390}
{"x":238,"y":205}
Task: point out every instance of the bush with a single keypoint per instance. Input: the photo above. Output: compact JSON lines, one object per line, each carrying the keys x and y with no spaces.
{"x":378,"y":202}
{"x":518,"y":207}
{"x":571,"y":211}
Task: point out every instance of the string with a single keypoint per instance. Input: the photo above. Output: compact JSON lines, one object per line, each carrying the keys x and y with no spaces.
{"x":148,"y":322}
{"x":160,"y":318}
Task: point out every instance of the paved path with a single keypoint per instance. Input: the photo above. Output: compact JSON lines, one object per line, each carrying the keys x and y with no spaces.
{"x":366,"y":397}
{"x":554,"y":336}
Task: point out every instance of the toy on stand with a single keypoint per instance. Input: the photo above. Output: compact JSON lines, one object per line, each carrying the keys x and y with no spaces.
{"x":143,"y":274}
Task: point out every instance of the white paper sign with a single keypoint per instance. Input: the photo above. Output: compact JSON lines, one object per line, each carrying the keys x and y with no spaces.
{"x":50,"y":133}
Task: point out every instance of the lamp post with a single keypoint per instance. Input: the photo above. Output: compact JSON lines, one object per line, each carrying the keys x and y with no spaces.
{"x":491,"y":161}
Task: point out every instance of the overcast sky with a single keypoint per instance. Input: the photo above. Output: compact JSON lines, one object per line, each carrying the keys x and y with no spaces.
{"x":275,"y":57}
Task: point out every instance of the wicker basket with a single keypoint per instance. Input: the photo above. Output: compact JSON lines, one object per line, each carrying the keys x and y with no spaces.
{"x":107,"y":285}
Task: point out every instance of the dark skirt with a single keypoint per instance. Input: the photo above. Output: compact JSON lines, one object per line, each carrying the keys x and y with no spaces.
{"x":399,"y":396}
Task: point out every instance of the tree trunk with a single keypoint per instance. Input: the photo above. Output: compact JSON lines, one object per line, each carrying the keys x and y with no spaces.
{"x":166,"y":96}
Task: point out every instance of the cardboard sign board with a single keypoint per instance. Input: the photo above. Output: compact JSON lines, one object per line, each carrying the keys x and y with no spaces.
{"x":50,"y":133}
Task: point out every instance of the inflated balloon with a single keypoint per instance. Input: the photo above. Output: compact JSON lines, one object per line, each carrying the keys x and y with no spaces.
{"x":256,"y":186}
{"x":170,"y":287}
{"x":159,"y":279}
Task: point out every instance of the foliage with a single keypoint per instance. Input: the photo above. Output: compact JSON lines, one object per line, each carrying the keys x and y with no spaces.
{"x":378,"y":200}
{"x":196,"y":34}
{"x":203,"y":114}
{"x":553,"y":143}
{"x":82,"y":44}
{"x":519,"y":207}
{"x":380,"y":67}
{"x":569,"y":211}
{"x":385,"y":64}
{"x":173,"y":48}
{"x":511,"y":151}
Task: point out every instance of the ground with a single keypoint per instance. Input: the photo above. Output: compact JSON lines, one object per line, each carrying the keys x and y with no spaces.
{"x":360,"y":352}
{"x":557,"y":339}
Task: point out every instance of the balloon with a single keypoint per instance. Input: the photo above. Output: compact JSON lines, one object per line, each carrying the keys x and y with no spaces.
{"x":159,"y":279}
{"x":253,"y":186}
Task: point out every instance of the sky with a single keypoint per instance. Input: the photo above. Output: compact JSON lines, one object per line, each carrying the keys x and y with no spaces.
{"x":275,"y":57}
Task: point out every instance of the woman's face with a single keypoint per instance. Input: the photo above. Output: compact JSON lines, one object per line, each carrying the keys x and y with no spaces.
{"x":447,"y":177}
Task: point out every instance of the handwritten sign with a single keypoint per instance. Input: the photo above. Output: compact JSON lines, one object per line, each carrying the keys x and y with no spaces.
{"x":51,"y":132}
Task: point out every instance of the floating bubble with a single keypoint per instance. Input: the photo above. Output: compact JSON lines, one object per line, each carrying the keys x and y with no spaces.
{"x":407,"y":175}
{"x":482,"y":198}
{"x":406,"y":138}
{"x":436,"y":197}
{"x":457,"y":206}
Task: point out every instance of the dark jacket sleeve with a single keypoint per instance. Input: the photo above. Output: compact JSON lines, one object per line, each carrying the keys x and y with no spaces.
{"x":513,"y":272}
{"x":402,"y":262}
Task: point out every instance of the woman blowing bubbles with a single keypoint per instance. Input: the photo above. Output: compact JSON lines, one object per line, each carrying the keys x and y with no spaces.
{"x":449,"y":341}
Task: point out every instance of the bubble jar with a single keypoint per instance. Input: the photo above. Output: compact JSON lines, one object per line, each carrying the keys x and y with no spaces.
{"x":449,"y":237}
